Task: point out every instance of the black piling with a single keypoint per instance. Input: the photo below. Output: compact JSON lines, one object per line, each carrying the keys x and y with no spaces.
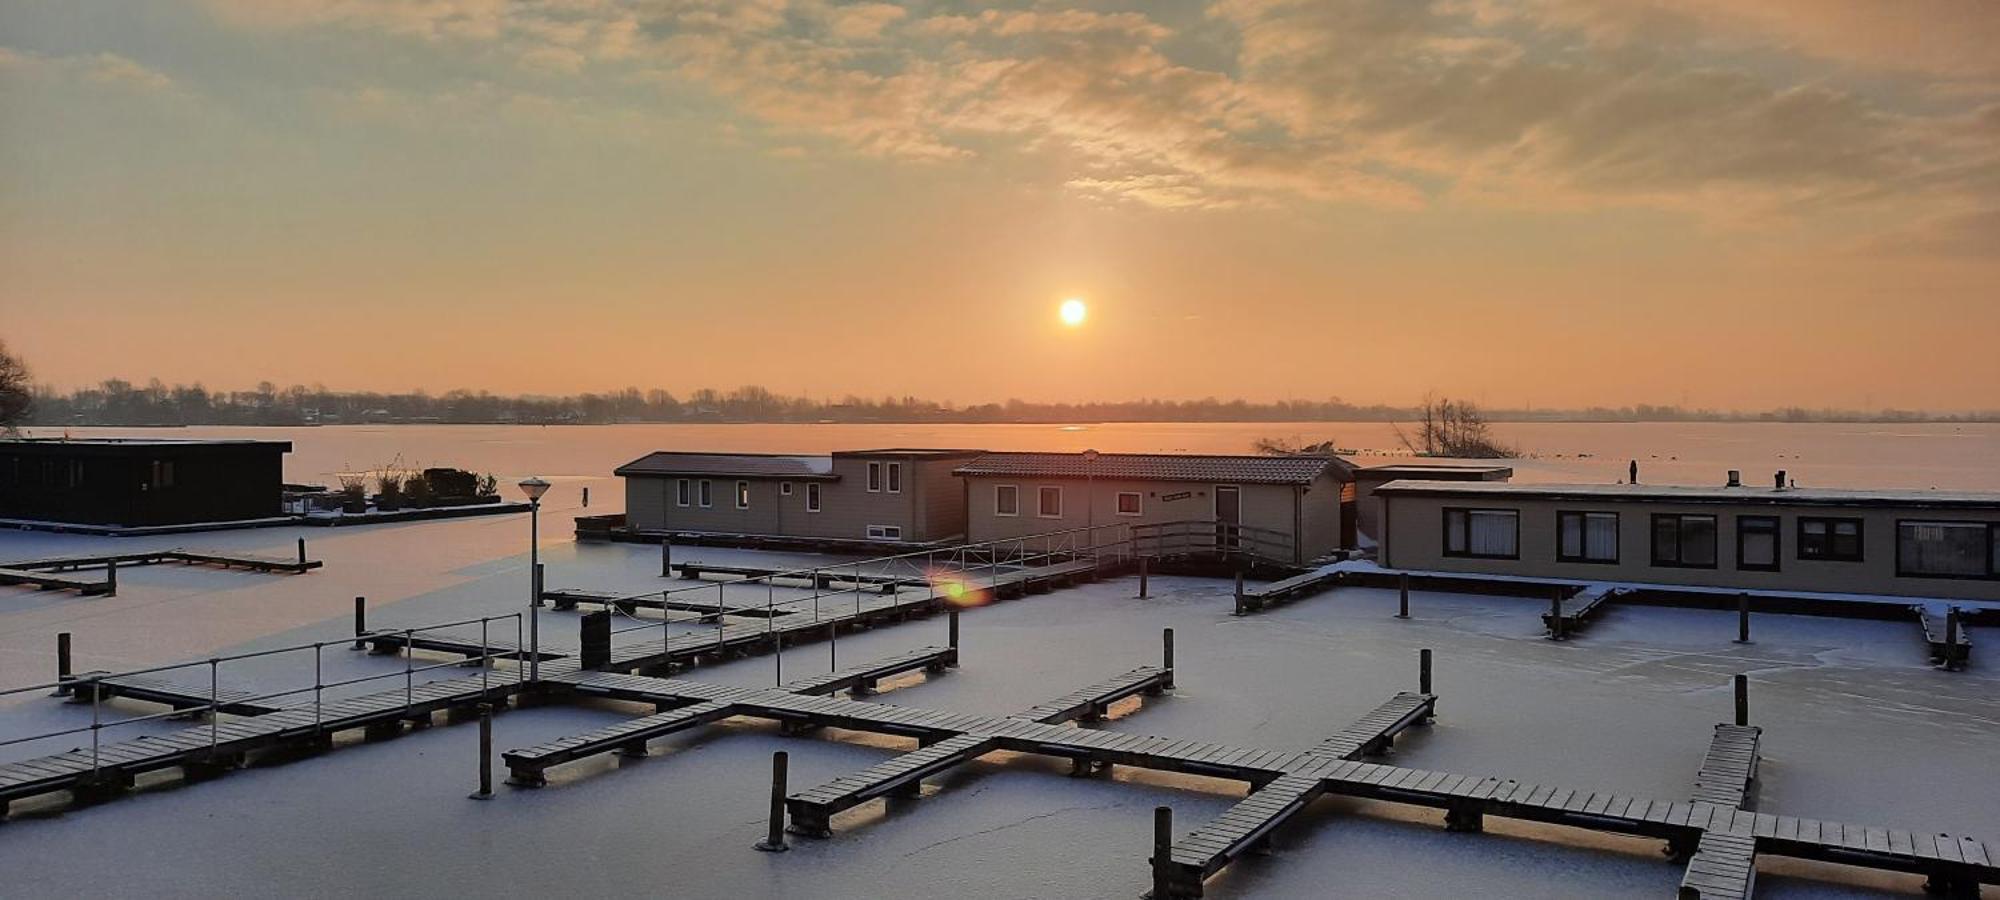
{"x":1743,"y":617}
{"x":1403,"y":595}
{"x":63,"y":666}
{"x":1142,"y":578}
{"x":302,"y":551}
{"x":1163,"y":846}
{"x":586,"y":498}
{"x":666,"y":557}
{"x":1951,"y":661}
{"x":485,"y":791}
{"x":360,"y":621}
{"x":951,"y":630}
{"x":594,"y":644}
{"x":1742,"y":699}
{"x":1424,"y":671}
{"x":774,"y":840}
{"x":1167,"y":653}
{"x":1556,"y":615}
{"x":111,"y":578}
{"x":1239,"y":591}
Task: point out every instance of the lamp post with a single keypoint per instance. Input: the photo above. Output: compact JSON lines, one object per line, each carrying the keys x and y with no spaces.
{"x":1090,"y":499}
{"x":534,"y":487}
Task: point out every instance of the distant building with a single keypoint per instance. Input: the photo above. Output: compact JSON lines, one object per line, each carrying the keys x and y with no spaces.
{"x":1301,"y":505}
{"x":896,"y":495}
{"x":140,"y":482}
{"x":1900,"y":543}
{"x":1368,"y":478}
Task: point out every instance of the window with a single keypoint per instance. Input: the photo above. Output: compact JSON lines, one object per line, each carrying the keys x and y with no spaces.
{"x":1832,"y":540}
{"x":1006,"y":500}
{"x":1051,"y":503}
{"x":895,"y":478}
{"x":742,"y":495}
{"x":681,"y":492}
{"x":1482,"y":533}
{"x":784,"y":488}
{"x":1684,"y":541}
{"x":812,"y":497}
{"x":1946,"y":549}
{"x":706,"y":497}
{"x":886,"y":532}
{"x":874,"y":477}
{"x":1130,"y":503}
{"x":1757,"y":543}
{"x":1587,"y":537}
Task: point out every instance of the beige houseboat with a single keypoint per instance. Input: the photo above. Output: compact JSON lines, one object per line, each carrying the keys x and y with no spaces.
{"x":895,"y":495}
{"x":1887,"y":542}
{"x":1292,"y":504}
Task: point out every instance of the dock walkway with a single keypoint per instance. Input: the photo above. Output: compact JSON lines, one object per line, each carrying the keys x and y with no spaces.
{"x":571,"y":598}
{"x":167,"y":693}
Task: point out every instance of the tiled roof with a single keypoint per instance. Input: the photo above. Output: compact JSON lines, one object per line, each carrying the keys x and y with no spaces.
{"x":729,"y":465}
{"x":1155,"y":467}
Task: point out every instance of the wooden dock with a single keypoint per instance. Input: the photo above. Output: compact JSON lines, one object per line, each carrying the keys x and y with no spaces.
{"x":571,"y":598}
{"x":1579,"y":608}
{"x":1723,"y":866}
{"x":386,"y":641}
{"x":1287,"y":590}
{"x":50,"y":581}
{"x":822,"y":578}
{"x":1950,"y":644}
{"x":48,"y":573}
{"x":151,"y":689}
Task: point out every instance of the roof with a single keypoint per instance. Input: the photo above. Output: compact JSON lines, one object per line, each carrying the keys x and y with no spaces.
{"x":1436,"y":472}
{"x":730,"y":465}
{"x":918,"y":452}
{"x":1679,"y":493}
{"x":115,"y":443}
{"x":1156,"y":467}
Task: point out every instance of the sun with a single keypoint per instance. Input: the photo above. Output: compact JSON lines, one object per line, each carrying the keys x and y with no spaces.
{"x":1073,"y":312}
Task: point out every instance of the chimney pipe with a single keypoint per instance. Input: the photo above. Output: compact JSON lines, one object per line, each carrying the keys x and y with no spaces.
{"x":1781,"y":479}
{"x":1735,"y":478}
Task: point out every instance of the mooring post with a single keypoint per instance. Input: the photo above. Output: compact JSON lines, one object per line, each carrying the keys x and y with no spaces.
{"x":1951,"y":639}
{"x":774,"y":841}
{"x":1239,"y":591}
{"x":111,"y":578}
{"x":586,"y":498}
{"x":1163,"y":845}
{"x":302,"y":552}
{"x":1142,"y":577}
{"x":485,"y":791}
{"x":360,"y":621}
{"x":1402,"y":595}
{"x":666,"y":557}
{"x":594,"y":640}
{"x":1556,"y":615}
{"x":63,"y":669}
{"x":1424,"y":671}
{"x":1742,"y":699}
{"x":1167,"y":653}
{"x":1743,"y":617}
{"x":951,"y":630}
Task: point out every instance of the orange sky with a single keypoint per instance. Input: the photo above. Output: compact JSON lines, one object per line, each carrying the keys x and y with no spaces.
{"x":1550,"y":202}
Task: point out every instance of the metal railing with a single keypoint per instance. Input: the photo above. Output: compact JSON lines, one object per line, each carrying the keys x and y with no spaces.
{"x":94,"y":682}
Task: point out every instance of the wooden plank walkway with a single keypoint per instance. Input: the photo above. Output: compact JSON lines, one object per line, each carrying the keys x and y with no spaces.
{"x":50,"y":581}
{"x":1088,"y":703}
{"x":158,"y":557}
{"x":812,"y":810}
{"x":1730,"y":766}
{"x":571,"y":598}
{"x":1293,"y":588}
{"x":1375,"y":732}
{"x":1932,"y":620}
{"x":1725,"y":865}
{"x":823,"y":579}
{"x":397,"y":641}
{"x":525,"y":767}
{"x":861,"y":680}
{"x":1579,"y":609}
{"x":165,"y":692}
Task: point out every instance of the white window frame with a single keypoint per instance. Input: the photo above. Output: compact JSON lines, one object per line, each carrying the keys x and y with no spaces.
{"x":742,"y":495}
{"x":885,"y":532}
{"x":812,"y":496}
{"x":784,"y":488}
{"x":1140,"y":509}
{"x":874,"y":478}
{"x":1039,"y":489}
{"x":705,"y":493}
{"x":683,"y":492}
{"x":1017,"y":500}
{"x":892,"y":477}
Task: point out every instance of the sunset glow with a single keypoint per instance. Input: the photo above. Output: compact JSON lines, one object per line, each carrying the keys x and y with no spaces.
{"x":1073,"y":312}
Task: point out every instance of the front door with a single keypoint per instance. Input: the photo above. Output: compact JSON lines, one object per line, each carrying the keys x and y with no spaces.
{"x":1228,"y":515}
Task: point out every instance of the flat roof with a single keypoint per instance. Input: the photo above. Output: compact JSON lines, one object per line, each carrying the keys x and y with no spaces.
{"x":1679,"y":493}
{"x":731,"y":465}
{"x":1155,"y":467}
{"x":118,"y":442}
{"x":938,"y":452}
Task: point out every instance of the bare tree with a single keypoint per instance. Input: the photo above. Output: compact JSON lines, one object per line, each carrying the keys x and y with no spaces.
{"x":15,"y":397}
{"x":1447,"y":427}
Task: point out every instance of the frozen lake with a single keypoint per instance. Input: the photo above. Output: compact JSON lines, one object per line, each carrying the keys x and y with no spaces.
{"x":1857,"y":728}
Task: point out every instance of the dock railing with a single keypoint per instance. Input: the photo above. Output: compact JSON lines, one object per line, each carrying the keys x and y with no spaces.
{"x":95,"y":682}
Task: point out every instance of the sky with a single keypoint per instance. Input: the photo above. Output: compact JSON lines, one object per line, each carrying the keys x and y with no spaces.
{"x":1555,"y":203}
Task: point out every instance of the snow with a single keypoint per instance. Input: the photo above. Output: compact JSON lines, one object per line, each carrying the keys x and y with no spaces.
{"x":1857,"y":728}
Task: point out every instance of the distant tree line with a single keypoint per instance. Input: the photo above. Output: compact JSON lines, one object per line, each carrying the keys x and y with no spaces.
{"x":118,"y":402}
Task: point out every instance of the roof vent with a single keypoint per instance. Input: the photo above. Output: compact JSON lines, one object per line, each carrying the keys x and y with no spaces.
{"x":1781,"y":479}
{"x":1735,"y":478}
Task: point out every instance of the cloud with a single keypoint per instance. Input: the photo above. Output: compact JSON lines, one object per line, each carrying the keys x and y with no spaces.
{"x":1733,"y":112}
{"x":100,"y":69}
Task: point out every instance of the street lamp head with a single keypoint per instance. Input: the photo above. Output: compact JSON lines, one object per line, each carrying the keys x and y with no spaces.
{"x":534,"y":487}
